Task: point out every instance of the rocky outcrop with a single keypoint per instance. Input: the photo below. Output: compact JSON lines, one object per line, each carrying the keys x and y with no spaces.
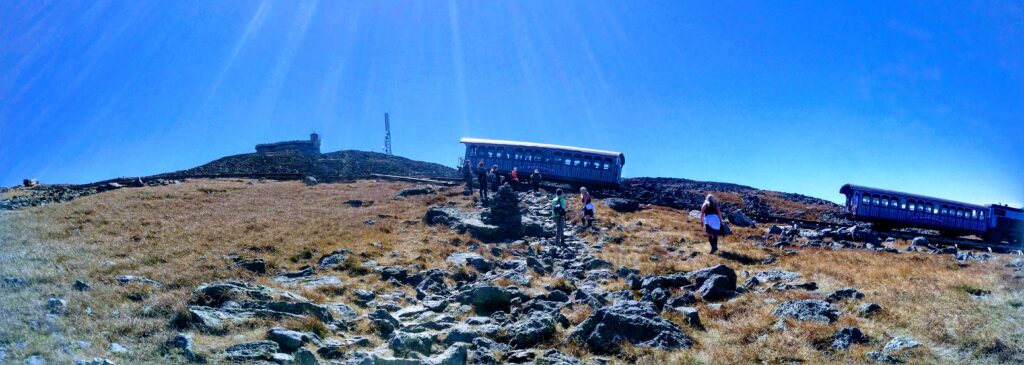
{"x":622,"y":205}
{"x":629,"y":321}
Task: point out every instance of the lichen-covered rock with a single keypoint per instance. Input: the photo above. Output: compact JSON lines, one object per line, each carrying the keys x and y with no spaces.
{"x":622,"y":205}
{"x":808,"y":310}
{"x":252,"y":351}
{"x":531,"y":330}
{"x":635,"y":322}
{"x":847,"y":336}
{"x":698,"y":277}
{"x":846,"y":293}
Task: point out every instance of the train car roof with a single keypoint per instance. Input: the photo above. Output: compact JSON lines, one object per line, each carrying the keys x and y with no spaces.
{"x":498,"y":142}
{"x":846,"y":189}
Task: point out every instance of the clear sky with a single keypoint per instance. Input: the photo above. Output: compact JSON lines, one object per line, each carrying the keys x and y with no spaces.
{"x":925,"y":97}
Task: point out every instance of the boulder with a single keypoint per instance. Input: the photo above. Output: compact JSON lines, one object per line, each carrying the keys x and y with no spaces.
{"x":898,"y":344}
{"x":808,"y":310}
{"x":716,"y":287}
{"x":684,"y":300}
{"x":1016,"y":263}
{"x":690,"y":316}
{"x":869,"y":309}
{"x":531,"y":330}
{"x":635,"y":322}
{"x":658,"y":297}
{"x":334,"y":260}
{"x":252,"y":351}
{"x":402,"y":343}
{"x":740,"y":220}
{"x":57,"y":306}
{"x":256,"y":265}
{"x":847,"y":336}
{"x":289,"y":340}
{"x":775,"y":230}
{"x":622,"y":205}
{"x":183,"y":342}
{"x":462,"y":221}
{"x":305,"y":357}
{"x":486,"y":299}
{"x":94,"y":361}
{"x":883,"y":358}
{"x":355,"y":203}
{"x":698,"y":277}
{"x":81,"y":285}
{"x":457,"y":354}
{"x":384,"y":322}
{"x":133,"y":279}
{"x":920,"y":241}
{"x":555,"y":357}
{"x":776,"y":275}
{"x":843,"y":294}
{"x":309,"y":181}
{"x":860,"y":234}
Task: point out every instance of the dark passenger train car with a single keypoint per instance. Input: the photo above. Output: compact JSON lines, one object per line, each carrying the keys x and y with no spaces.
{"x":903,"y":209}
{"x":566,"y":164}
{"x":897,"y":209}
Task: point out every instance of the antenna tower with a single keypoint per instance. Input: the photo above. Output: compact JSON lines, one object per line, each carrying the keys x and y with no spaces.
{"x":387,"y":135}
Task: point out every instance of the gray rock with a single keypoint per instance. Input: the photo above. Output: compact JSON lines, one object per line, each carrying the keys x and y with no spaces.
{"x":94,"y":361}
{"x":883,"y":358}
{"x":420,"y":190}
{"x":363,"y":296}
{"x":309,"y":181}
{"x":57,"y":306}
{"x":869,"y":309}
{"x":183,"y":342}
{"x":843,"y":294}
{"x":81,"y":285}
{"x":920,"y":241}
{"x":774,"y":230}
{"x":531,"y":330}
{"x":334,"y":260}
{"x":35,"y":360}
{"x":305,"y":357}
{"x":808,"y":310}
{"x":457,"y":354}
{"x":622,"y":205}
{"x":690,"y":316}
{"x":116,"y":348}
{"x":402,"y":343}
{"x":684,"y":300}
{"x":555,"y":357}
{"x":1016,"y":263}
{"x":256,"y":265}
{"x":133,"y":279}
{"x":630,"y":321}
{"x":462,"y":221}
{"x":487,"y":299}
{"x":289,"y":340}
{"x":740,"y":220}
{"x":252,"y":351}
{"x":716,"y":287}
{"x":698,"y":277}
{"x":847,"y":336}
{"x":775,"y":275}
{"x":898,"y":344}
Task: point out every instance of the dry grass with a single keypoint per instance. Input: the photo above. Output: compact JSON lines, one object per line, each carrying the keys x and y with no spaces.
{"x":181,"y":234}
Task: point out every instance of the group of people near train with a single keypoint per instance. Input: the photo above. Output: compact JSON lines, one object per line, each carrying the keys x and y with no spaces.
{"x":490,"y":179}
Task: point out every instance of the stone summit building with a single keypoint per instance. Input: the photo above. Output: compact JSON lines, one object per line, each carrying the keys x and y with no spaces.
{"x":310,"y":147}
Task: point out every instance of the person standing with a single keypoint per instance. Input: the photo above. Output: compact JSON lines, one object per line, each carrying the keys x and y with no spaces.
{"x":467,"y":173}
{"x":558,"y":214}
{"x":481,"y":178}
{"x":495,"y":178}
{"x":711,"y":215}
{"x":588,"y":207}
{"x":535,"y":180}
{"x":515,"y":176}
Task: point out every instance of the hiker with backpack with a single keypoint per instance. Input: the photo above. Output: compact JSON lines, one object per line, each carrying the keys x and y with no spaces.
{"x":558,"y":214}
{"x":711,"y":216}
{"x":588,"y":207}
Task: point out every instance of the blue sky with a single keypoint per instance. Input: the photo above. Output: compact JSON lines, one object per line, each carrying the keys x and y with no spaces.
{"x":926,"y":97}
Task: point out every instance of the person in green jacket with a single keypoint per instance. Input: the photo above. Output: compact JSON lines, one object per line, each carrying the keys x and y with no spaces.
{"x":558,"y":214}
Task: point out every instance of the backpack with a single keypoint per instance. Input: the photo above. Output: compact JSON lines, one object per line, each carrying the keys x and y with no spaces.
{"x":558,"y":209}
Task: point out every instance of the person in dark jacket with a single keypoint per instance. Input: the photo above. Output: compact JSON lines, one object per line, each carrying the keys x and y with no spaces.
{"x":588,"y":207}
{"x":495,"y":178}
{"x":535,"y":180}
{"x":481,"y":178}
{"x":467,"y":174}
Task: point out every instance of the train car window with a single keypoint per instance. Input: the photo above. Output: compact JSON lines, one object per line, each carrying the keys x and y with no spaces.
{"x":875,"y":201}
{"x":606,"y":167}
{"x":912,"y":206}
{"x":974,"y":214}
{"x":903,"y":204}
{"x":885,"y":202}
{"x":866,"y":200}
{"x":982,"y":215}
{"x":945,"y":211}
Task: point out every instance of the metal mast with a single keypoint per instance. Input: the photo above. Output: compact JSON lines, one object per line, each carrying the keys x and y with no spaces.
{"x":387,"y":135}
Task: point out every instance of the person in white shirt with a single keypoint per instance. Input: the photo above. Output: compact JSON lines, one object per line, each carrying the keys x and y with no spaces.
{"x":711,"y":215}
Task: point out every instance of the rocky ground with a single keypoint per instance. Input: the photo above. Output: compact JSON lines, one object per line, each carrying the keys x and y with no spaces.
{"x":367,"y":272}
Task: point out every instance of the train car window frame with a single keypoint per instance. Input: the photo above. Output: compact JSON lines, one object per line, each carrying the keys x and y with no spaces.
{"x":944,"y":209}
{"x":912,"y":206}
{"x":903,"y":204}
{"x":866,"y":199}
{"x":875,"y":200}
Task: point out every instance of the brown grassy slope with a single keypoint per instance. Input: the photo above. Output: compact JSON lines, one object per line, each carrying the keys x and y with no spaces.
{"x":179,"y":235}
{"x":924,"y":297}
